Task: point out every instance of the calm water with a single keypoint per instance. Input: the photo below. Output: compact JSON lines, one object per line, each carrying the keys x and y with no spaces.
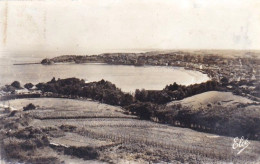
{"x":128,"y":78}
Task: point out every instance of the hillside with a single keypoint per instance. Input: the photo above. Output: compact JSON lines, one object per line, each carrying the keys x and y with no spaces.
{"x":217,"y":112}
{"x":212,"y":98}
{"x":62,"y":134}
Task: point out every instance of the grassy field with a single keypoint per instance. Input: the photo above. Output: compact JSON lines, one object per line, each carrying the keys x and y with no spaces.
{"x":214,"y":98}
{"x":116,"y":138}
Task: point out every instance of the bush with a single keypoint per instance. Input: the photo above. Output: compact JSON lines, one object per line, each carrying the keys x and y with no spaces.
{"x":29,"y":107}
{"x":68,"y":128}
{"x":86,"y":153}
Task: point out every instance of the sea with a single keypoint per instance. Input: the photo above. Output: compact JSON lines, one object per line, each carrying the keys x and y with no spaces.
{"x":127,"y":78}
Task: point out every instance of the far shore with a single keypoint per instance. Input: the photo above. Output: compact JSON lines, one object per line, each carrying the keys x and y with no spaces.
{"x":25,"y":63}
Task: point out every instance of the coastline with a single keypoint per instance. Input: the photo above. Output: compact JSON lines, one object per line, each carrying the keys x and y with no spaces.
{"x":137,"y":74}
{"x":166,"y":108}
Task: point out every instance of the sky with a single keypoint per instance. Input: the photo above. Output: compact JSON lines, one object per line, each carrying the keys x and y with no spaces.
{"x":97,"y":26}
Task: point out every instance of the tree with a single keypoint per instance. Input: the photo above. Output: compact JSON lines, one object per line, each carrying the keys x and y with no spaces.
{"x":173,"y":87}
{"x":40,"y":86}
{"x":16,"y":84}
{"x":111,"y":97}
{"x":53,"y":80}
{"x":28,"y":85}
{"x":145,"y":110}
{"x":127,"y":99}
{"x":141,"y":95}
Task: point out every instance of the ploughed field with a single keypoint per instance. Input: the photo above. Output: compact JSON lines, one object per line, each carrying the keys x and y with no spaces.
{"x":79,"y":131}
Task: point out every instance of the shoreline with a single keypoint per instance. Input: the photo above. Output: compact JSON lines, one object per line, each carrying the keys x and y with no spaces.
{"x":104,"y":63}
{"x":185,"y":76}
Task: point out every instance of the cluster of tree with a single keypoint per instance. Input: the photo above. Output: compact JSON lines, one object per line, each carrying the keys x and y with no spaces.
{"x":11,"y":88}
{"x":102,"y":91}
{"x":145,"y":110}
{"x":8,"y":88}
{"x":175,"y":92}
{"x":16,"y":85}
{"x":158,"y":97}
{"x":220,"y":120}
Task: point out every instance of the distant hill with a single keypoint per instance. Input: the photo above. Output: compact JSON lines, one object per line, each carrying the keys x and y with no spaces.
{"x":223,"y":53}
